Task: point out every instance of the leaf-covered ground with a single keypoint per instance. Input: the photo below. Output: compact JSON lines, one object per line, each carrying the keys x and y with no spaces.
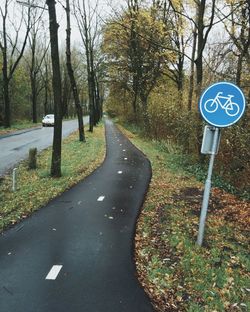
{"x":35,"y":188}
{"x":176,"y":273}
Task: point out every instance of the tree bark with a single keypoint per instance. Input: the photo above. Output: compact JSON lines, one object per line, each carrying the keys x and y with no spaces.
{"x":146,"y":123}
{"x":6,"y":97}
{"x":199,"y":61}
{"x":90,"y":90}
{"x":72,"y":77}
{"x":46,"y":87}
{"x":57,"y":90}
{"x":191,"y":78}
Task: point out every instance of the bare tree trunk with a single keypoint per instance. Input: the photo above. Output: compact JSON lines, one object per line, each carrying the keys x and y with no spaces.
{"x":66,"y":94}
{"x":202,"y":37}
{"x":90,"y":90}
{"x":94,"y":88}
{"x":180,"y":81}
{"x":133,"y":48}
{"x":57,"y":90}
{"x":6,"y":98}
{"x":34,"y":98}
{"x":37,"y":57}
{"x":239,"y":70}
{"x":191,"y":78}
{"x":46,"y":88}
{"x":146,"y":123}
{"x":199,"y":60}
{"x":72,"y":77}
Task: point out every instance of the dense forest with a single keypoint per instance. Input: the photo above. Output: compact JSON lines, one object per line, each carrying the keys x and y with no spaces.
{"x":150,"y":60}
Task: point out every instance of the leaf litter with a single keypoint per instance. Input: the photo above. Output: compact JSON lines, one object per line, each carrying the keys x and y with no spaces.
{"x":176,"y":273}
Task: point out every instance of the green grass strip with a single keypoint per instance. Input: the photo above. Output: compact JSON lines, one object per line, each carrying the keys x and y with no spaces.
{"x":35,"y":188}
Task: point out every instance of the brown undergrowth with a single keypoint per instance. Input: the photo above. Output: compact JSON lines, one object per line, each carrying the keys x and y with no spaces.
{"x":176,"y":273}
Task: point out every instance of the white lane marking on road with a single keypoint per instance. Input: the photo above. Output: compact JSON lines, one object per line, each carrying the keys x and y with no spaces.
{"x":53,"y":273}
{"x":124,"y":150}
{"x":125,"y":158}
{"x":119,"y":172}
{"x":101,"y":198}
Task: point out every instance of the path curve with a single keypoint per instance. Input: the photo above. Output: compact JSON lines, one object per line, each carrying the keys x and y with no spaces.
{"x":76,"y":254}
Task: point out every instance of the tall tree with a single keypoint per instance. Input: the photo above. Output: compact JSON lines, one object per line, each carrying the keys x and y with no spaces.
{"x":178,"y":29}
{"x":57,"y":90}
{"x":38,"y":51}
{"x":202,"y":25}
{"x":192,"y":73}
{"x":11,"y":51}
{"x":46,"y":74}
{"x":72,"y":76}
{"x":88,"y":26}
{"x":66,"y":91}
{"x":238,"y":29}
{"x":138,"y":46}
{"x":203,"y":30}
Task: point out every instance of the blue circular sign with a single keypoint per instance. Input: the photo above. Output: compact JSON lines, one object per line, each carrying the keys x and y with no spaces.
{"x":222,"y":104}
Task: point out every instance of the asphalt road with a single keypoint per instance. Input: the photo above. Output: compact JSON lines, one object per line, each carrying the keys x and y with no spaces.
{"x":76,"y":254}
{"x":15,"y":148}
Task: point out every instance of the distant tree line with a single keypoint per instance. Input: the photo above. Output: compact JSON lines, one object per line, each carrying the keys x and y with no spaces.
{"x":26,"y":76}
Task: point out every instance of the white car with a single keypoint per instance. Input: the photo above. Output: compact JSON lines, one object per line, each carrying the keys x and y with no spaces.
{"x":48,"y":120}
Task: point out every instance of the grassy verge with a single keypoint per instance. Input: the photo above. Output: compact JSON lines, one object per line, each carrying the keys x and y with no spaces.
{"x":190,"y":165}
{"x":178,"y":275}
{"x":36,"y":187}
{"x":19,"y":125}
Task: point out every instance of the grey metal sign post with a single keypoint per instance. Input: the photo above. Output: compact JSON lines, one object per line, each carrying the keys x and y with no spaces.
{"x":208,"y":186}
{"x":221,"y":105}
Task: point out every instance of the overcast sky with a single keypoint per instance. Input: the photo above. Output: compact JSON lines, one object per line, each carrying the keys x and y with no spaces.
{"x":105,"y":9}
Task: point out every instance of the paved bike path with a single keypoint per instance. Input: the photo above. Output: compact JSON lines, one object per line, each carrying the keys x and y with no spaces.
{"x":87,"y":234}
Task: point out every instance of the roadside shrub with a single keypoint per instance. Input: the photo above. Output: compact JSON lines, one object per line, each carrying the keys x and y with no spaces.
{"x":233,"y":159}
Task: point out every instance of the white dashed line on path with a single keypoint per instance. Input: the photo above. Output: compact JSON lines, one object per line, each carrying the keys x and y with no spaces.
{"x":119,"y":172}
{"x":53,"y":273}
{"x":101,"y":198}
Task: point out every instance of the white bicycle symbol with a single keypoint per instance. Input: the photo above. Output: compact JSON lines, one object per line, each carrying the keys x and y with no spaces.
{"x":231,"y":108}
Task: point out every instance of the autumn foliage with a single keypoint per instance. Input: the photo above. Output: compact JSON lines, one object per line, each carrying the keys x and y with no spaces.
{"x":153,"y":78}
{"x":176,"y":273}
